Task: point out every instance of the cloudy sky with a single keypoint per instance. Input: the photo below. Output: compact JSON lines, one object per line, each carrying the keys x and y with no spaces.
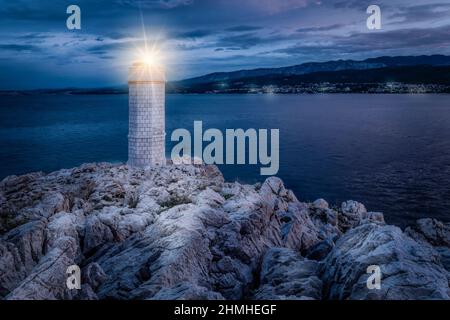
{"x":202,"y":36}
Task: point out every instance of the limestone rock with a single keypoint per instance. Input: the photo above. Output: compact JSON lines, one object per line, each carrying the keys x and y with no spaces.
{"x":320,"y":250}
{"x":352,"y":213}
{"x":187,"y":291}
{"x":377,"y":217}
{"x":93,"y":275}
{"x":182,"y":232}
{"x":287,"y":275}
{"x":433,"y":231}
{"x":320,"y":204}
{"x":409,"y":270}
{"x":47,"y":281}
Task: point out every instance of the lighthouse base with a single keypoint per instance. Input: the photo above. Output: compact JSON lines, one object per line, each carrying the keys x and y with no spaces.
{"x":145,"y":152}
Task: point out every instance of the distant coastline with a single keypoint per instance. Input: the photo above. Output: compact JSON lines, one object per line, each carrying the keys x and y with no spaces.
{"x":301,"y":88}
{"x":393,"y":75}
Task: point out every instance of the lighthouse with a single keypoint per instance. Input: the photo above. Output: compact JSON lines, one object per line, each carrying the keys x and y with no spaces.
{"x":146,"y":133}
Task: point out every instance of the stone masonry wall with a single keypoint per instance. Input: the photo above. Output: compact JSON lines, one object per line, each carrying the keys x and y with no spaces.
{"x":146,"y":138}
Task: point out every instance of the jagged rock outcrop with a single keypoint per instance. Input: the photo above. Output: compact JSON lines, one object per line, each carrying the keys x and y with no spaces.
{"x":435,"y":233}
{"x":285,"y":274}
{"x":409,"y":269}
{"x":182,"y":232}
{"x":432,"y":231}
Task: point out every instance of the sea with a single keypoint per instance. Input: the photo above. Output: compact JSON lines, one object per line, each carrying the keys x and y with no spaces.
{"x":390,"y":152}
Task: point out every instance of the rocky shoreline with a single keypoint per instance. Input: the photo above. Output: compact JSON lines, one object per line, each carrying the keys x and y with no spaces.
{"x":182,"y":232}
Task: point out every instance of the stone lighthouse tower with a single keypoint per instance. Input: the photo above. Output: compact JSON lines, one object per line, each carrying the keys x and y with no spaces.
{"x":146,"y":138}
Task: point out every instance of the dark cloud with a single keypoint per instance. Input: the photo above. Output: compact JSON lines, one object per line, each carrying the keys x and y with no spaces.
{"x":32,"y":11}
{"x":243,"y":41}
{"x":34,"y":36}
{"x":370,"y":42}
{"x":109,"y":47}
{"x":193,"y":34}
{"x":156,"y":4}
{"x":356,"y":4}
{"x":19,"y":47}
{"x":118,"y":35}
{"x":419,"y":13}
{"x":228,"y":49}
{"x":305,"y":50}
{"x":403,"y":38}
{"x":249,"y":40}
{"x":322,"y":28}
{"x":243,"y":28}
{"x":106,"y":57}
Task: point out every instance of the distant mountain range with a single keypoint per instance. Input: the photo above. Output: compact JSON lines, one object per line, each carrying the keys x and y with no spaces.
{"x":406,"y":79}
{"x":315,"y":67}
{"x":427,"y":73}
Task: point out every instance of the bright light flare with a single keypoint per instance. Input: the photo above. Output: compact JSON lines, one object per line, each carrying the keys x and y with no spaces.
{"x":150,"y":57}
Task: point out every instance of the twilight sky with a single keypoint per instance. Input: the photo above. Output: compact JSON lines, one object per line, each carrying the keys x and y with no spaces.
{"x":202,"y":36}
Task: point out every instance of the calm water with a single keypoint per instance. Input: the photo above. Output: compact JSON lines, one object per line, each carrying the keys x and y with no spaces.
{"x":391,"y":152}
